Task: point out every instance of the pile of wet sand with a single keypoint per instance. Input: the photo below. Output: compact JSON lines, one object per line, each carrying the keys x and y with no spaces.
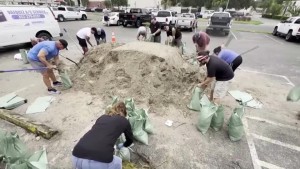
{"x":148,"y":72}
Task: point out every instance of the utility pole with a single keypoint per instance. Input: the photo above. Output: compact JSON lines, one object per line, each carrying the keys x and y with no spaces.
{"x":227,"y":5}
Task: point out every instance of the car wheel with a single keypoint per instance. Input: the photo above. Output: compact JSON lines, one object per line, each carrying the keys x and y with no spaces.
{"x":83,"y":17}
{"x":44,"y":35}
{"x":138,"y":23}
{"x":289,"y":36}
{"x":274,"y":31}
{"x":191,"y":29}
{"x":125,"y":24}
{"x":226,"y":33}
{"x":118,"y":23}
{"x":61,"y":18}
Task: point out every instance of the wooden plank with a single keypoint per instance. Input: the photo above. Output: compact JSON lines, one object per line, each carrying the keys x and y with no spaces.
{"x":27,"y":124}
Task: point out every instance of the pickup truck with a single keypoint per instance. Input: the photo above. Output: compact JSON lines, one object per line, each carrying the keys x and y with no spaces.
{"x":219,"y":21}
{"x":136,"y":17}
{"x":63,"y":13}
{"x":187,"y":21}
{"x":166,"y":18}
{"x":289,"y":28}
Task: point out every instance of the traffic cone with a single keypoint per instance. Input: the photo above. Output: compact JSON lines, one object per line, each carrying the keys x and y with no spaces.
{"x":113,"y":38}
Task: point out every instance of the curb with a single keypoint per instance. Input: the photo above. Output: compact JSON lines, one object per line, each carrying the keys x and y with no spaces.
{"x":251,"y":31}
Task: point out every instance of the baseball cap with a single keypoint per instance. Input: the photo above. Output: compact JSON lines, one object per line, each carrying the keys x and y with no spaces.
{"x":64,"y":43}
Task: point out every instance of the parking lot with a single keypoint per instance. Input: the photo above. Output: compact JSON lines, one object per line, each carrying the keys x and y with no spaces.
{"x":272,"y":133}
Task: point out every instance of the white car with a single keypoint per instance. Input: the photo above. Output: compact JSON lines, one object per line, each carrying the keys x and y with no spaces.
{"x":207,"y":14}
{"x":63,"y":13}
{"x":187,"y":21}
{"x":289,"y":28}
{"x":166,"y":18}
{"x":113,"y":19}
{"x":20,"y":23}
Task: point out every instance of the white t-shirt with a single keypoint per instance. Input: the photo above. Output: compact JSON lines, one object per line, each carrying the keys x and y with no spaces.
{"x":84,"y":33}
{"x":142,"y":29}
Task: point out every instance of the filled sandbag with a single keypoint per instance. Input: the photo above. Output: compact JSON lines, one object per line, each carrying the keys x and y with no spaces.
{"x":137,"y":123}
{"x":235,"y":125}
{"x":218,"y":119}
{"x":65,"y":79}
{"x":195,"y":101}
{"x":294,"y":94}
{"x":124,"y":152}
{"x":148,"y":127}
{"x":206,"y":113}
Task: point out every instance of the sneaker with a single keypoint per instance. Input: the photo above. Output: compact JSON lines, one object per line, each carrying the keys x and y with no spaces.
{"x":57,"y":83}
{"x":53,"y":91}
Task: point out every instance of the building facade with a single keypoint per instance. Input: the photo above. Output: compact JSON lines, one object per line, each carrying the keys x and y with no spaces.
{"x":144,"y":3}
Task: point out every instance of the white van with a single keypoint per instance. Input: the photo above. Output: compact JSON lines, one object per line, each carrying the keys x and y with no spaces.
{"x":19,"y":23}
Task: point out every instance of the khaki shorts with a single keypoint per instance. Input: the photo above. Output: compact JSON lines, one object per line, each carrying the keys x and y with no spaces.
{"x":220,"y":89}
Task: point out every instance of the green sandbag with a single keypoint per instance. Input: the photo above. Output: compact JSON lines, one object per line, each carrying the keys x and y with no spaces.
{"x":11,"y":147}
{"x":147,"y":125}
{"x":235,"y":125}
{"x":130,"y":107}
{"x":294,"y":94}
{"x":65,"y":79}
{"x":218,"y":119}
{"x":137,"y":123}
{"x":124,"y":154}
{"x":205,"y":116}
{"x":195,"y":102}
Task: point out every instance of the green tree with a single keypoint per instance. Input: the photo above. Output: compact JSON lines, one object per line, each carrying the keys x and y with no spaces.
{"x":84,"y":2}
{"x":107,"y":3}
{"x":294,"y":10}
{"x":275,"y":8}
{"x":119,"y":3}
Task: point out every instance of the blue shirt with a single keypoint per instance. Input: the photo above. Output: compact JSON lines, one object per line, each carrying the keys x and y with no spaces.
{"x":48,"y":46}
{"x":228,"y":55}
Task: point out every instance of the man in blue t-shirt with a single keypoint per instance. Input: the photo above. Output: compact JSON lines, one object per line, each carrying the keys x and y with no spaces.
{"x":229,"y":56}
{"x":39,"y":57}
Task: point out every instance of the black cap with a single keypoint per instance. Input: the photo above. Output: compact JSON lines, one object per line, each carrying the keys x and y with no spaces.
{"x":64,"y":43}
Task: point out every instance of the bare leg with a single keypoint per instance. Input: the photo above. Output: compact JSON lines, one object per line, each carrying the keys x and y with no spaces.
{"x":51,"y":75}
{"x":46,"y":79}
{"x":85,"y":50}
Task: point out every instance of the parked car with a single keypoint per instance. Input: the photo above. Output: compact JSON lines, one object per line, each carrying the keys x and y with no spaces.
{"x":186,"y":21}
{"x":219,"y":21}
{"x":63,"y":13}
{"x":207,"y":14}
{"x":166,"y":18}
{"x":136,"y":17}
{"x":18,"y":27}
{"x":154,"y":12}
{"x":113,"y":19}
{"x":289,"y":28}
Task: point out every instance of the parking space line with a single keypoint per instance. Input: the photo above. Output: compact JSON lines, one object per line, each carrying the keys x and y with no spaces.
{"x":293,"y":147}
{"x":274,"y":39}
{"x":24,"y":88}
{"x":234,"y":35}
{"x":251,"y":145}
{"x":268,"y":165}
{"x":270,"y":74}
{"x":273,"y":123}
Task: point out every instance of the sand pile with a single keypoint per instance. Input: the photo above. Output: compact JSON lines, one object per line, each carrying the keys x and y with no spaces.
{"x":148,"y":72}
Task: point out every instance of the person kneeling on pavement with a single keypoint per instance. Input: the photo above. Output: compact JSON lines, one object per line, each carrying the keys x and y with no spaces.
{"x":142,"y":33}
{"x":229,"y":56}
{"x":39,"y":57}
{"x":96,"y":148}
{"x":174,"y":35}
{"x":99,"y":34}
{"x":219,"y":73}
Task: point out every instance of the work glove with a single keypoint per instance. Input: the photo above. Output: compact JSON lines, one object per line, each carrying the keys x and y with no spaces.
{"x":121,"y":145}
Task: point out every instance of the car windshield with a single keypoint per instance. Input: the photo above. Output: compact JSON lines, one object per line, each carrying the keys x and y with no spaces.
{"x":135,"y":10}
{"x":163,"y":14}
{"x":221,"y":15}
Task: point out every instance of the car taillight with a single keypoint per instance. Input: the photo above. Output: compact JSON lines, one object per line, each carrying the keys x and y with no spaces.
{"x":166,"y":19}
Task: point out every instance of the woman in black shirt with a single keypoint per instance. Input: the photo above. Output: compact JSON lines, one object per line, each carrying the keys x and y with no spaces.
{"x":96,"y":148}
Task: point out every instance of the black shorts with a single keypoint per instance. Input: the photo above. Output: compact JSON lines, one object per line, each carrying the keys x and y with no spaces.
{"x":82,"y":42}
